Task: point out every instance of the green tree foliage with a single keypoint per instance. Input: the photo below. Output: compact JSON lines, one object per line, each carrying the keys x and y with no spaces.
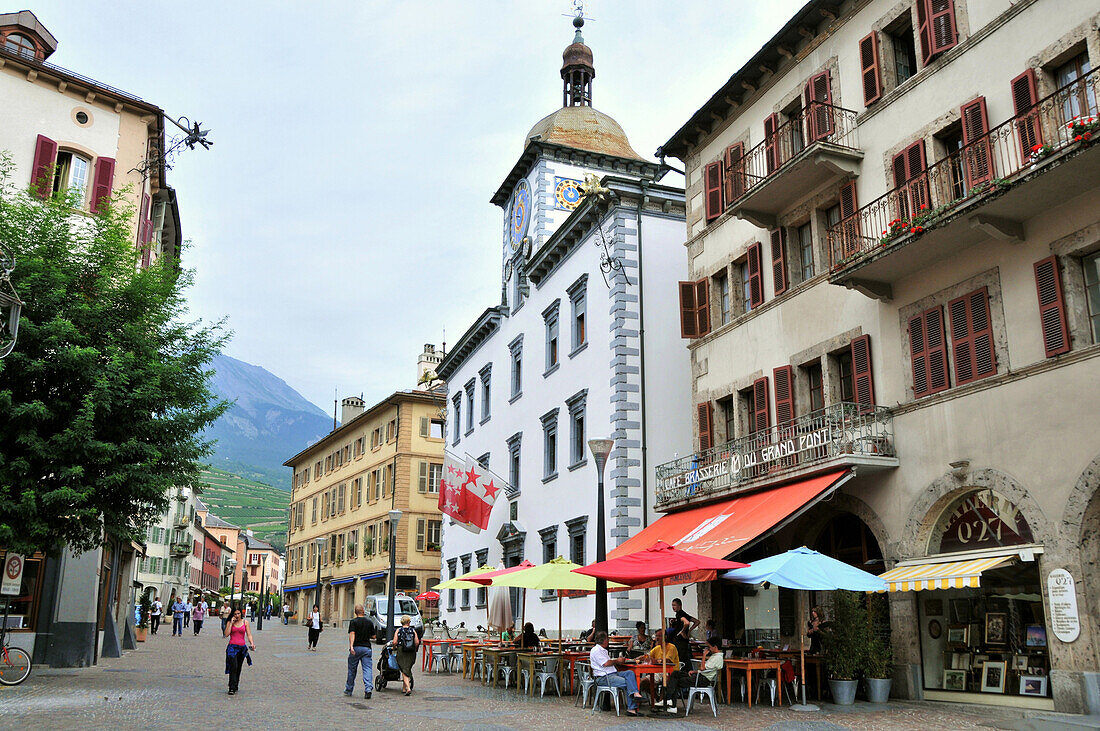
{"x":845,"y":636}
{"x":104,"y":399}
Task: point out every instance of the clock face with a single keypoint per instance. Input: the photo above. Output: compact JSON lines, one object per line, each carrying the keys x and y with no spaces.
{"x":567,"y":193}
{"x":520,"y":216}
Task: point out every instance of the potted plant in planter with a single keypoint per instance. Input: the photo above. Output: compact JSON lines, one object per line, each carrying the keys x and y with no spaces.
{"x":844,"y":644}
{"x":141,"y":631}
{"x":878,"y":660}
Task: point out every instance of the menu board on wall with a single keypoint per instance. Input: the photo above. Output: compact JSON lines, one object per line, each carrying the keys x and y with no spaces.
{"x":1062,"y":591}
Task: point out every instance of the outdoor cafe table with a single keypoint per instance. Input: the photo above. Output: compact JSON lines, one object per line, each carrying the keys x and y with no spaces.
{"x":429,"y":649}
{"x":816,"y":661}
{"x":494,"y":656}
{"x":572,"y":656}
{"x":529,"y":659}
{"x":469,"y":651}
{"x":748,"y":665}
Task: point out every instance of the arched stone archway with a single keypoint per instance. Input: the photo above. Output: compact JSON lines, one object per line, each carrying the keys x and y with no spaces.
{"x":818,"y":520}
{"x":1081,"y":527}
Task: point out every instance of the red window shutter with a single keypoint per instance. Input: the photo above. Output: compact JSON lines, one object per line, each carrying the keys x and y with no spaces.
{"x":784,"y":394}
{"x":104,"y":179}
{"x":1052,"y":307}
{"x":45,"y":156}
{"x":817,"y":94}
{"x":779,"y":261}
{"x":735,"y":172}
{"x":771,"y":148}
{"x":849,"y":221}
{"x":941,"y":18}
{"x":702,"y":307}
{"x":977,"y":162}
{"x":871,"y":68}
{"x":862,"y":379}
{"x":756,"y":279}
{"x":909,"y":179}
{"x":972,"y":337}
{"x":688,"y":321}
{"x":713,"y":183}
{"x":760,"y":403}
{"x":1024,"y":97}
{"x":924,"y":30}
{"x":705,"y":411}
{"x":928,"y":352}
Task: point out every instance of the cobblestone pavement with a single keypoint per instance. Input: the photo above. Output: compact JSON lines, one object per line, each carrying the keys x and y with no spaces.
{"x":180,"y":682}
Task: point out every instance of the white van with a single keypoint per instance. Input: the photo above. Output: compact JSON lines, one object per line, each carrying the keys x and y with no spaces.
{"x":377,"y":605}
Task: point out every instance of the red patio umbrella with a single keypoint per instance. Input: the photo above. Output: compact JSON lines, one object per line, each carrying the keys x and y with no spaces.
{"x":486,"y":579}
{"x":658,"y":565}
{"x":428,"y":596}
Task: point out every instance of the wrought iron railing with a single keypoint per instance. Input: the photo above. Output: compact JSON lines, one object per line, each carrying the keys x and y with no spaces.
{"x":54,"y":67}
{"x":1063,"y":120}
{"x":177,"y":549}
{"x":817,"y":123}
{"x":822,"y":435}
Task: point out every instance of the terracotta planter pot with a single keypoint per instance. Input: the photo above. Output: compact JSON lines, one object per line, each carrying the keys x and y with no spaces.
{"x":140,"y":633}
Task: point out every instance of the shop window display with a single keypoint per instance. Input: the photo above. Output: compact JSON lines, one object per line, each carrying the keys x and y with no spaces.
{"x":23,"y":609}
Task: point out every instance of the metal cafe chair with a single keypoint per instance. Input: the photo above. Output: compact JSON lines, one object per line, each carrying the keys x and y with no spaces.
{"x":704,"y":688}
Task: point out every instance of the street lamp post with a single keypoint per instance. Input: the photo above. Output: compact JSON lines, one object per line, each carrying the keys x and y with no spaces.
{"x":395,"y":517}
{"x":601,"y":448}
{"x":244,"y":573}
{"x":317,"y":589}
{"x":263,"y":592}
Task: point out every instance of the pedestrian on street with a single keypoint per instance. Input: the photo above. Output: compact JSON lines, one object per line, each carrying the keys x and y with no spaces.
{"x":360,"y":633}
{"x":154,"y":615}
{"x":406,"y":641}
{"x":188,"y":607}
{"x":315,"y":627}
{"x":236,"y":652}
{"x":286,"y":613}
{"x":198,"y":614}
{"x":224,"y":613}
{"x":178,"y":610}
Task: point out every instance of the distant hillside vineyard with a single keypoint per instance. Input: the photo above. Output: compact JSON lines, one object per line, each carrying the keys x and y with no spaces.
{"x":247,"y":504}
{"x":268,"y":423}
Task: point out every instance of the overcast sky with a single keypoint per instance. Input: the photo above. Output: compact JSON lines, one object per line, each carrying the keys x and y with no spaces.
{"x":342,"y":218}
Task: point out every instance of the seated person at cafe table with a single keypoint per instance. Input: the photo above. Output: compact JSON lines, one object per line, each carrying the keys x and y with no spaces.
{"x":528,"y":640}
{"x":639,"y":642}
{"x":509,"y":634}
{"x":604,"y":670}
{"x":713,"y":662}
{"x":587,"y":634}
{"x":671,"y":656}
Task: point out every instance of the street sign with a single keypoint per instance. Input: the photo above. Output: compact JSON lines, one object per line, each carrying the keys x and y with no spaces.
{"x":13,"y":575}
{"x":236,"y":585}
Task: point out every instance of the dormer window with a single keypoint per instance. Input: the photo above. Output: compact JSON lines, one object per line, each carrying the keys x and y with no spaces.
{"x":21,"y":44}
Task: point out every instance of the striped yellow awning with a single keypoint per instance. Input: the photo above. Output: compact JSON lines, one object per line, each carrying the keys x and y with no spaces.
{"x":952,"y":575}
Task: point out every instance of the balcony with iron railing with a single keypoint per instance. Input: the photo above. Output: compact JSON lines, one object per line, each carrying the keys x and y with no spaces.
{"x":815,"y":147}
{"x":1026,"y":165}
{"x":838,"y":436}
{"x":180,"y":549}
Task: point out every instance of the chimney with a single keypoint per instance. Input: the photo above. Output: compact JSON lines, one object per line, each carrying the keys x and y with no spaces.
{"x":350,"y":408}
{"x":429,"y":360}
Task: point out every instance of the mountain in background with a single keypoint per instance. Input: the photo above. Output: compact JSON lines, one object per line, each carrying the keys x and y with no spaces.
{"x":268,"y":423}
{"x":247,"y":504}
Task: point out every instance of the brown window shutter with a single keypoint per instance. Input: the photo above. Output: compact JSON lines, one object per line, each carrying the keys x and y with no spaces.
{"x":918,"y":186}
{"x":977,"y":161}
{"x":817,"y":93}
{"x":702,"y":307}
{"x":45,"y":157}
{"x":705,"y":411}
{"x":688,"y":321}
{"x":760,"y":403}
{"x":972,"y":337}
{"x":756,"y":279}
{"x":928,"y":352}
{"x":713,"y":182}
{"x":871,"y":68}
{"x":784,"y":394}
{"x":735,"y":172}
{"x":779,"y":260}
{"x":924,"y":30}
{"x":941,"y":18}
{"x":1024,"y":97}
{"x":849,"y":221}
{"x":862,"y":379}
{"x":1052,"y":307}
{"x":900,"y":166}
{"x":771,"y":148}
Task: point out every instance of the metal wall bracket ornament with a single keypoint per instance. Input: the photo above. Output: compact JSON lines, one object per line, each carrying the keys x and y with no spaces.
{"x":193,"y":134}
{"x":609,"y":263}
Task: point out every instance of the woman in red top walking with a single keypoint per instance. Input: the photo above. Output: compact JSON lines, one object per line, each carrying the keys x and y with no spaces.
{"x":236,"y":653}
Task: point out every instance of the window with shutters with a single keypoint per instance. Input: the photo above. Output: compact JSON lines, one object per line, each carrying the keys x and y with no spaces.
{"x":817,"y":98}
{"x":870,"y":68}
{"x":754,"y":283}
{"x":1052,"y":306}
{"x":928,"y":352}
{"x":549,"y":445}
{"x":727,"y":418}
{"x":805,"y":238}
{"x":71,"y":175}
{"x":712,"y":184}
{"x":977,"y":157}
{"x":936,"y":27}
{"x":357,"y":489}
{"x":421,"y":533}
{"x":1029,"y":129}
{"x":1081,"y":99}
{"x":353,"y":544}
{"x":903,"y":49}
{"x":742,"y":267}
{"x":951,"y":142}
{"x":794,"y":134}
{"x":735,"y":172}
{"x":722,"y":287}
{"x":430,"y":475}
{"x":1091,"y":265}
{"x":863,"y":386}
{"x":784,"y":394}
{"x":771,"y":143}
{"x":910,"y":180}
{"x":704,"y":413}
{"x":778,"y":238}
{"x":845,"y":384}
{"x":755,"y":404}
{"x":971,"y":337}
{"x":815,"y":385}
{"x":694,"y":308}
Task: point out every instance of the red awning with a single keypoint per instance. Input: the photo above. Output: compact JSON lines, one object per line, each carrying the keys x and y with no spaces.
{"x":719,"y":529}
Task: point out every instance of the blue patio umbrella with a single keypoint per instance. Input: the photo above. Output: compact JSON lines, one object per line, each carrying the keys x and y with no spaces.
{"x":809,"y":570}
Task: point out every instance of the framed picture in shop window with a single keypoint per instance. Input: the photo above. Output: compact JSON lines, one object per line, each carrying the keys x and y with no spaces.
{"x":996,"y":628}
{"x":1019,"y":662}
{"x":993,"y":677}
{"x":1035,"y":685}
{"x":1036,"y":636}
{"x":954,"y":680}
{"x":958,"y":635}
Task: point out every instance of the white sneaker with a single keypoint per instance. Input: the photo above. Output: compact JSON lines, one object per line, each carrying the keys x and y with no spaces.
{"x":673,"y":710}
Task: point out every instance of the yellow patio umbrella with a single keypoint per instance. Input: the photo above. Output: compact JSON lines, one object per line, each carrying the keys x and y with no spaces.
{"x":557,"y":575}
{"x":463,"y":582}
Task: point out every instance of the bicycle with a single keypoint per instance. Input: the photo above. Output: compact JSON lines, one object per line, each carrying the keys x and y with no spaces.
{"x":15,"y":664}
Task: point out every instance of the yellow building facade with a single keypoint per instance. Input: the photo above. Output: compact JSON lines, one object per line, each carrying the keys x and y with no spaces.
{"x":380,"y":458}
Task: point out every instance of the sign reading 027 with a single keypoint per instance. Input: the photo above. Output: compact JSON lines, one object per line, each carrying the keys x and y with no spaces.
{"x":520,"y":217}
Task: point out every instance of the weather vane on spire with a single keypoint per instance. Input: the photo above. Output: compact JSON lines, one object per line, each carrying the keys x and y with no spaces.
{"x":578,"y":18}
